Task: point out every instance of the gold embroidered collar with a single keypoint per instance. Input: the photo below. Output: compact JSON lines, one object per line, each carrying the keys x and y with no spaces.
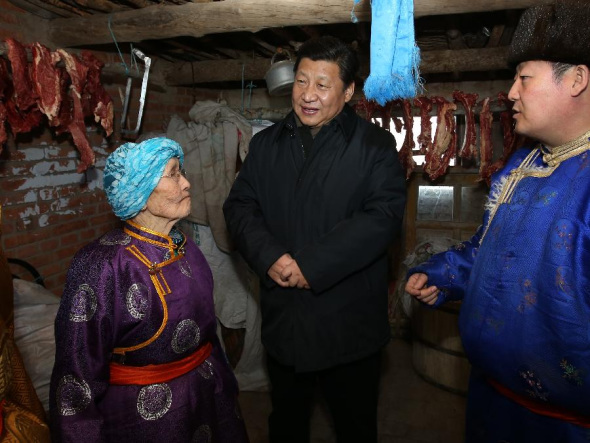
{"x":155,"y":273}
{"x":175,"y":249}
{"x":552,"y":157}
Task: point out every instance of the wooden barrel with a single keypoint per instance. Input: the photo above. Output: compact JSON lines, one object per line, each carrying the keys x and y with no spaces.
{"x":437,"y":352}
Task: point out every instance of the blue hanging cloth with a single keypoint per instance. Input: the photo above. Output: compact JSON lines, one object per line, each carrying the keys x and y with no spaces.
{"x":395,"y":57}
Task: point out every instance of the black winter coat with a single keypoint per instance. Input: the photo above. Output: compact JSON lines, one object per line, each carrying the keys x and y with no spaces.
{"x":336,"y":213}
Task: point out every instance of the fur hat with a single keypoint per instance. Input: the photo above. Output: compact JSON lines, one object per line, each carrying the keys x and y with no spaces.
{"x":554,"y":33}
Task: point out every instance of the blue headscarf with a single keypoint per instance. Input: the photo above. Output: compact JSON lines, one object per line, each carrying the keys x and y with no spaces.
{"x":133,"y":171}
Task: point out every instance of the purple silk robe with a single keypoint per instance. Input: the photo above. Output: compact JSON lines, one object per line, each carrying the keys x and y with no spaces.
{"x":110,"y":301}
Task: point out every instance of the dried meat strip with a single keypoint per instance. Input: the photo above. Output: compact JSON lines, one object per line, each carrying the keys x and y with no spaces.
{"x":468,"y":100}
{"x":445,"y":140}
{"x":425,"y":137}
{"x":486,"y":118}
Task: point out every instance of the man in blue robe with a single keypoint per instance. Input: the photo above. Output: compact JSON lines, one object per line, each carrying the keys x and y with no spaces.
{"x":524,"y":277}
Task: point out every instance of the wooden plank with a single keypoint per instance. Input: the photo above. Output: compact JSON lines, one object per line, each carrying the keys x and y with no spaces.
{"x":40,"y":9}
{"x":104,"y":6}
{"x":199,"y":19}
{"x":49,"y":9}
{"x":443,"y":7}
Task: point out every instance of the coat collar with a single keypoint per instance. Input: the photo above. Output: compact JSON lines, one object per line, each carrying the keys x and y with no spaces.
{"x":345,"y":122}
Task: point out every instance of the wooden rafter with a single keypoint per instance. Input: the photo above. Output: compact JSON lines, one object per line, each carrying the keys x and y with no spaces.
{"x":40,"y":9}
{"x":199,"y":19}
{"x":56,"y":7}
{"x":104,"y":6}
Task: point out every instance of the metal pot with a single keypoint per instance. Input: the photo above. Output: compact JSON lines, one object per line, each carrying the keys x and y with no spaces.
{"x":280,"y":76}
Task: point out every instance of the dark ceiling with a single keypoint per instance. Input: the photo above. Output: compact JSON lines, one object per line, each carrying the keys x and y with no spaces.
{"x":434,"y":32}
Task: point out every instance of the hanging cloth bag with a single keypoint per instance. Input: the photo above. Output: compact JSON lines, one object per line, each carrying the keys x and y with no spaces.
{"x":395,"y":57}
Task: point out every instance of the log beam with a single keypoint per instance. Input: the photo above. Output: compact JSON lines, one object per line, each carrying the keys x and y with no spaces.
{"x":488,"y":59}
{"x":199,"y":19}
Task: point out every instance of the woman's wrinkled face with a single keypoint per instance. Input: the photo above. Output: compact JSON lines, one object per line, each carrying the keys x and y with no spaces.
{"x":171,"y":198}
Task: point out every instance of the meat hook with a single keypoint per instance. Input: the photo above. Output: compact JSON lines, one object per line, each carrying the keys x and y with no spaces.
{"x":148,"y":61}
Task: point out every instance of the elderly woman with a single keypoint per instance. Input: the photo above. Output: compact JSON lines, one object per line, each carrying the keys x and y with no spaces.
{"x":137,"y":356}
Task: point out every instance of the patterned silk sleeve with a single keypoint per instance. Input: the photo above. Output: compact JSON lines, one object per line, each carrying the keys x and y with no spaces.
{"x":84,"y":341}
{"x":450,"y":270}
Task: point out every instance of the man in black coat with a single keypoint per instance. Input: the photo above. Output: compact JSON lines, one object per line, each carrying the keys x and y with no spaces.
{"x":318,"y":200}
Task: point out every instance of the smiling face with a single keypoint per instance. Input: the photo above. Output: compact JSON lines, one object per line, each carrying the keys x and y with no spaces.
{"x":170,"y":200}
{"x":540,"y":101}
{"x":318,"y":92}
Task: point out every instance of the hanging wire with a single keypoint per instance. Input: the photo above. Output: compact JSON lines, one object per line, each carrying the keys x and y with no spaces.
{"x":117,"y":46}
{"x":250,"y":86}
{"x":243,"y":69}
{"x":353,"y":17}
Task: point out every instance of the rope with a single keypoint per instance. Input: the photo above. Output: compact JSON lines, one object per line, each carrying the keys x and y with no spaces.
{"x":117,"y":45}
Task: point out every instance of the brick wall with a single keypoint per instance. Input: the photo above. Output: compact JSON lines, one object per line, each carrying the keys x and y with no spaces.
{"x":49,"y":211}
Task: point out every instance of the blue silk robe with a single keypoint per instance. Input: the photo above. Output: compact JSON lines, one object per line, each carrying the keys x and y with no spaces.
{"x":110,"y":301}
{"x":525,"y":315}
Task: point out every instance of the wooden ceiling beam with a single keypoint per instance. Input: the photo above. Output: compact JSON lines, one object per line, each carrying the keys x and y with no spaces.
{"x":56,"y":7}
{"x":254,"y":69}
{"x":46,"y":11}
{"x":199,"y":19}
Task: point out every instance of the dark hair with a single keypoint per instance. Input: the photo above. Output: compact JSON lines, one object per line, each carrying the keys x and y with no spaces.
{"x":331,"y":49}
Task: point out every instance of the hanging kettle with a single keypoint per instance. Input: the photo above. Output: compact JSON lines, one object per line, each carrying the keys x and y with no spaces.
{"x":280,"y":77}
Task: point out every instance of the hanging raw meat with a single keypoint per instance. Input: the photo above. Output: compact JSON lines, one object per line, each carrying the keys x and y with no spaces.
{"x":468,"y":100}
{"x":24,"y":93}
{"x":445,"y":139}
{"x":486,"y":168}
{"x":22,"y":112}
{"x":4,"y":86}
{"x":46,"y":79}
{"x":22,"y":122}
{"x":101,"y":104}
{"x":3,"y":134}
{"x":78,"y":74}
{"x":66,"y":109}
{"x":65,"y":96}
{"x":425,"y":137}
{"x":5,"y":82}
